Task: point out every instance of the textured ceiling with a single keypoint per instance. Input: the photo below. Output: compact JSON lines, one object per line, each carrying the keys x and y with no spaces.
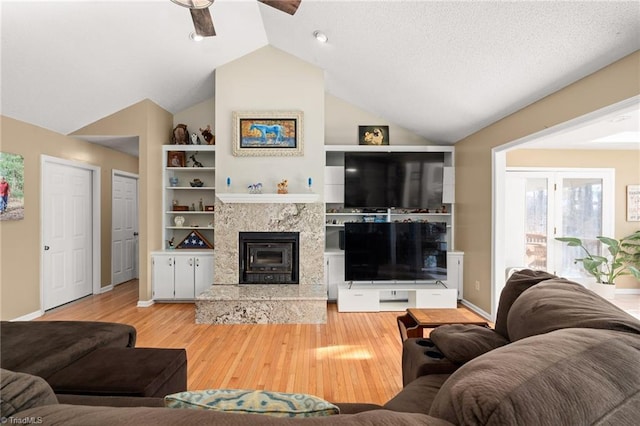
{"x":440,"y":69}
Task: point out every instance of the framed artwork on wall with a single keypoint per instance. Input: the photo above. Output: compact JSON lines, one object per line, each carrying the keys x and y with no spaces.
{"x":261,"y":133}
{"x":373,"y":135}
{"x":11,"y":186}
{"x":633,"y":203}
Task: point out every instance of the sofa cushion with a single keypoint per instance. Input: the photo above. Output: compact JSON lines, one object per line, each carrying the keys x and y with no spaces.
{"x":143,"y":372}
{"x":277,"y":404}
{"x":557,"y":304}
{"x":20,"y":391}
{"x":570,"y":376}
{"x":516,"y":284}
{"x":461,"y":343}
{"x":43,"y":347}
{"x":418,"y":395}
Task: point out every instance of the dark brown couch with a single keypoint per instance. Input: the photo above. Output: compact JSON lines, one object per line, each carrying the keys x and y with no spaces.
{"x":91,"y":358}
{"x":570,"y":358}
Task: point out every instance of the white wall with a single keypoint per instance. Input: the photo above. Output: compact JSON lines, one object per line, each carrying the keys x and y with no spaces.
{"x":270,"y":80}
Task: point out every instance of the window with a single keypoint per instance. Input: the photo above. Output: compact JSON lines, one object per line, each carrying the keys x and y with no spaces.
{"x":545,"y":204}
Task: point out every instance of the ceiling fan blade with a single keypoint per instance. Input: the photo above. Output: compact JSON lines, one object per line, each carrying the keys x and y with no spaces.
{"x":202,"y":22}
{"x":287,"y":6}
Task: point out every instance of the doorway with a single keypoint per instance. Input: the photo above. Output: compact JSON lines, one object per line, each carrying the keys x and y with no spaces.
{"x":124,"y":227}
{"x":70,"y":231}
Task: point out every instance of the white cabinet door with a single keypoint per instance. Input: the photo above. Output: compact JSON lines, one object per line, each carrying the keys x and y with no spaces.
{"x":334,"y":273}
{"x":162,"y":276}
{"x":455,"y":271}
{"x":203,"y":273}
{"x":184,"y":267}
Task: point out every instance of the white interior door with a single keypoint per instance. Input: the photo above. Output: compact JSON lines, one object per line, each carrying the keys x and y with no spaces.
{"x":67,"y":233}
{"x":124,"y":228}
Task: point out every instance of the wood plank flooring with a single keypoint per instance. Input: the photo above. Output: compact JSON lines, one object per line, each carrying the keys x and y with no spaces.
{"x":355,"y":357}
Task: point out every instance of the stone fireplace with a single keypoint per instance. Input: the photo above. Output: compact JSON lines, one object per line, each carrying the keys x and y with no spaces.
{"x":272,"y":296}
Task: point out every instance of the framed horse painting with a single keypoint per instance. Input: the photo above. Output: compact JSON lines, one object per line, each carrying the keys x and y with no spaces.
{"x":267,"y":133}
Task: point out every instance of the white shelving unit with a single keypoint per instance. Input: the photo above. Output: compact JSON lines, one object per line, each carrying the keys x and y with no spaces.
{"x":182,"y":274}
{"x":183,"y":194}
{"x":387,"y":296}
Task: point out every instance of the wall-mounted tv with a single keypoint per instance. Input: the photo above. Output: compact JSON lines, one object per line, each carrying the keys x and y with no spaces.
{"x":393,"y":179}
{"x":397,"y":251}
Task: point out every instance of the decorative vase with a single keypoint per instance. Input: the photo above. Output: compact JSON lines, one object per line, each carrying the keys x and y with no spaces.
{"x":606,"y":291}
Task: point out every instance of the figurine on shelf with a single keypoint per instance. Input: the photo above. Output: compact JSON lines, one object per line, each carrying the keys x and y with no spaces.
{"x":200,"y":206}
{"x":180,"y":135}
{"x":195,"y":139}
{"x":208,"y":136}
{"x":196,"y":163}
{"x":170,"y":245}
{"x":255,"y":188}
{"x":283,"y":187}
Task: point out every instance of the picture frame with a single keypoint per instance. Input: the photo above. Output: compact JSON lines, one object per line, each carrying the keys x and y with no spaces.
{"x":373,"y":135}
{"x":633,"y":203}
{"x":268,"y":133}
{"x":11,"y":186}
{"x":176,"y":159}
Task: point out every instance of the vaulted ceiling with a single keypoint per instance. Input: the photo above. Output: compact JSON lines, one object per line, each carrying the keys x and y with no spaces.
{"x":440,"y":69}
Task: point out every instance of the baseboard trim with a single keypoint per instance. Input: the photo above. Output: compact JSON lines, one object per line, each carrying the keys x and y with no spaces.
{"x":145,"y":303}
{"x":106,"y":289}
{"x":627,"y":290}
{"x":29,"y":317}
{"x":476,"y":309}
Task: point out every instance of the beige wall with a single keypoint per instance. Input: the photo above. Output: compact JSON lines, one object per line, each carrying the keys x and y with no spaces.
{"x":612,"y":84}
{"x":20,"y":240}
{"x":152,"y":125}
{"x":627,"y":172}
{"x":342,"y":120}
{"x":270,"y":80}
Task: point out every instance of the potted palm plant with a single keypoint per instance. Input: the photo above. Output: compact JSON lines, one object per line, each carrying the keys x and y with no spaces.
{"x":623,"y":259}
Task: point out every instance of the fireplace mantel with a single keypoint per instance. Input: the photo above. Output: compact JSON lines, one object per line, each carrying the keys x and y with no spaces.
{"x":228,"y":198}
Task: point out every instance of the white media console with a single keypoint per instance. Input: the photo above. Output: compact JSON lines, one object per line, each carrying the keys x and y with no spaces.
{"x":366,"y":297}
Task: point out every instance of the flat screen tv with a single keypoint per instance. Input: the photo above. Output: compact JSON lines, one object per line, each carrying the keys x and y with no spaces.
{"x":397,"y":251}
{"x":393,"y":179}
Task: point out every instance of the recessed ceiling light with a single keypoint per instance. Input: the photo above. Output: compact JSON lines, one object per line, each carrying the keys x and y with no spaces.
{"x":320,"y":36}
{"x":195,"y":37}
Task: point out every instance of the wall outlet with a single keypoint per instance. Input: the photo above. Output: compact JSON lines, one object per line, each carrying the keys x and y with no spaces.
{"x":477,"y":285}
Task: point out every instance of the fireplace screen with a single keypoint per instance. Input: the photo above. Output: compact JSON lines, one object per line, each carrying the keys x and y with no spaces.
{"x":268,"y":257}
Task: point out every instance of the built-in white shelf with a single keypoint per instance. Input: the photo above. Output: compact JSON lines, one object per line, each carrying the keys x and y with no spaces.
{"x":228,"y":198}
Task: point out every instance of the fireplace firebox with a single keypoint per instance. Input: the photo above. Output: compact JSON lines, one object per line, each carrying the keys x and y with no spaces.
{"x":268,"y":257}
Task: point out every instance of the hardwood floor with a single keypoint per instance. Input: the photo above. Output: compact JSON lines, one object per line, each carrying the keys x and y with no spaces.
{"x":355,"y":357}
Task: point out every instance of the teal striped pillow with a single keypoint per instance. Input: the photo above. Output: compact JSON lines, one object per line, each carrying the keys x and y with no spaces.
{"x":253,"y":401}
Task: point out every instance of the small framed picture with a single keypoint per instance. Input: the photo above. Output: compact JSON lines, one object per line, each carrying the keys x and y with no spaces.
{"x":176,"y":159}
{"x":373,"y":135}
{"x":633,"y":203}
{"x":275,"y":133}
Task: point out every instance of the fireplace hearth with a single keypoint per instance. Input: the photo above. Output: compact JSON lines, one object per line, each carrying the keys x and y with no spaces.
{"x":268,"y":257}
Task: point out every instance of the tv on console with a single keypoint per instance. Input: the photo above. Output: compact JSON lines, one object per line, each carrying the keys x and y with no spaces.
{"x":396,"y":251}
{"x":393,"y":179}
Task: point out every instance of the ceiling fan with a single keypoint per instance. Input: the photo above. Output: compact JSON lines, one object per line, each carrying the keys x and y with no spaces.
{"x":202,"y":17}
